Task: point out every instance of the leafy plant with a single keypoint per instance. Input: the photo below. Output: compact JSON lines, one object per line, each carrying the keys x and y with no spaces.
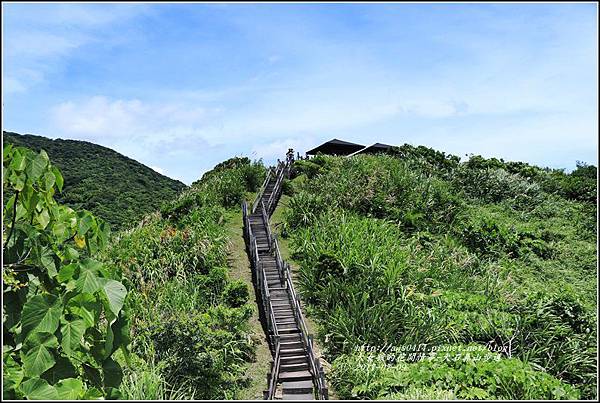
{"x":63,"y":315}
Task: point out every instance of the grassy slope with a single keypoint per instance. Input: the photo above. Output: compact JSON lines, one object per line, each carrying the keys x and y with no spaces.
{"x":518,"y":258}
{"x":193,"y":317}
{"x":110,"y":185}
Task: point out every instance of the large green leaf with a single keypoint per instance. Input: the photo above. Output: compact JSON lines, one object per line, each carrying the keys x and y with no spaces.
{"x":113,"y":394}
{"x":85,"y":223}
{"x":43,"y":218}
{"x":41,"y":338}
{"x":108,"y":343}
{"x":46,"y":256}
{"x":7,"y":151}
{"x":87,"y":307}
{"x":37,"y":360}
{"x":18,"y":162}
{"x":36,"y":168}
{"x":70,"y":389}
{"x":63,"y":369}
{"x":121,"y":333}
{"x":38,"y":389}
{"x":113,"y":375}
{"x":88,"y":281}
{"x":41,"y":314}
{"x":115,"y":293}
{"x":12,"y":373}
{"x":72,"y":335}
{"x":92,"y":394}
{"x":59,"y":179}
{"x":66,"y":272}
{"x":49,"y":180}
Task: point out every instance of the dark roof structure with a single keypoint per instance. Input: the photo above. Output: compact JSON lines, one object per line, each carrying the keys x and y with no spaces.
{"x":336,"y":147}
{"x":374,"y":149}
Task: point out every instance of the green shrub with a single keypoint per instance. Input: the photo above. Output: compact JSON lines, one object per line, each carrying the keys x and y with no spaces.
{"x":423,"y":248}
{"x":205,"y":350}
{"x":189,"y":319}
{"x":236,"y":294}
{"x":496,"y":185}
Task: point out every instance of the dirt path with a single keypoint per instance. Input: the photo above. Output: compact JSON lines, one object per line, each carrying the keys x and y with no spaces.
{"x":239,"y":268}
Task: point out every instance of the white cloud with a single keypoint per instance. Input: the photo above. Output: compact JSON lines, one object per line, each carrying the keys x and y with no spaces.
{"x":41,"y":37}
{"x":103,"y":117}
{"x":40,"y":44}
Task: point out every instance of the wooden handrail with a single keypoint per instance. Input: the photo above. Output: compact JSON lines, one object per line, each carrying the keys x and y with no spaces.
{"x":261,"y":190}
{"x":267,"y":226}
{"x":275,"y":369}
{"x":276,"y":188}
{"x":305,"y":337}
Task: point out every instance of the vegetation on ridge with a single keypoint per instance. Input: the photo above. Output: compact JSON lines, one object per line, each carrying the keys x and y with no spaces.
{"x":110,"y":185}
{"x":189,"y":320}
{"x":421,"y":249}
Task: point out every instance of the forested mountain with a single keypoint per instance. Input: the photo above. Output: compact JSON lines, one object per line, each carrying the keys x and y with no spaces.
{"x":110,"y":185}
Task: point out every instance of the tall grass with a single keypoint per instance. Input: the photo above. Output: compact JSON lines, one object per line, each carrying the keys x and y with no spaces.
{"x":408,"y":251}
{"x":189,"y":320}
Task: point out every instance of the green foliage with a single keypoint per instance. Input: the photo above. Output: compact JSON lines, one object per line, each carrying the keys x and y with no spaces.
{"x":376,"y":186}
{"x":63,"y":315}
{"x":229,"y":181}
{"x":189,"y":319}
{"x":461,"y":372}
{"x":496,"y":185}
{"x":207,"y":351}
{"x":110,"y":185}
{"x":427,"y":159}
{"x":236,"y":294}
{"x":421,"y":248}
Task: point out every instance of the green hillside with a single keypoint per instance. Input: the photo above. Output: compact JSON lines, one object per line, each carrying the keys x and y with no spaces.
{"x":491,"y":263}
{"x":110,"y":185}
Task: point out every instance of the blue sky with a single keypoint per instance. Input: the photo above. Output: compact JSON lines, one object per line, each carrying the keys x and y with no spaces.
{"x":181,"y":87}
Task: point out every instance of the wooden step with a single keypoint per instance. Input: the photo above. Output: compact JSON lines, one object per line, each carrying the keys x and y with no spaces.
{"x":297,"y":396}
{"x":292,"y":352}
{"x":289,"y":326}
{"x":294,"y":367}
{"x":286,"y":338}
{"x":280,"y":313}
{"x":297,"y":387}
{"x":295,"y":376}
{"x":293,"y":359}
{"x":287,"y":345}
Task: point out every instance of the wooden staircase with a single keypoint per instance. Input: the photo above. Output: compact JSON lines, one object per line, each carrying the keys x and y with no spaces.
{"x":295,"y":370}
